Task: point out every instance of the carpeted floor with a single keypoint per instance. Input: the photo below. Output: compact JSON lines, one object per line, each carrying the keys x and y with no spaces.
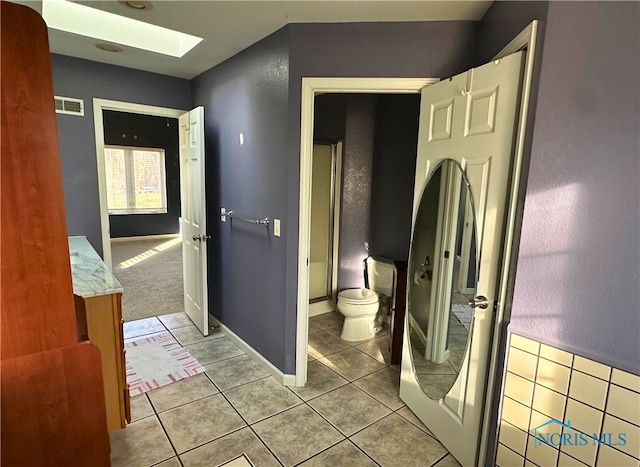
{"x":150,"y":272}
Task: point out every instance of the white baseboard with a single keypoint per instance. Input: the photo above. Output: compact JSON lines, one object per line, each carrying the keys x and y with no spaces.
{"x":282,"y":378}
{"x":144,"y":237}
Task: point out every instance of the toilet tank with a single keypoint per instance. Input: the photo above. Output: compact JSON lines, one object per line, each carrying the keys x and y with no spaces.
{"x":380,"y":276}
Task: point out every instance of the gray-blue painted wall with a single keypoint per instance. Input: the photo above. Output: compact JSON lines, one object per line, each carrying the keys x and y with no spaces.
{"x":378,"y":187}
{"x":84,"y":79}
{"x":580,"y":234}
{"x":577,"y":281}
{"x":258,"y":92}
{"x":577,"y":284}
{"x":350,"y":118}
{"x":248,"y":94}
{"x":394,"y":169}
{"x":431,"y":49}
{"x":357,"y":172}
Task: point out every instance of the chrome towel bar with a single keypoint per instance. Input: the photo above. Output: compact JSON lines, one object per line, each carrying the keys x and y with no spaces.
{"x":233,"y":215}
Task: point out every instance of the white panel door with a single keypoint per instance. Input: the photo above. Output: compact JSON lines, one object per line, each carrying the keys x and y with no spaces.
{"x":471,"y":119}
{"x":194,"y":225}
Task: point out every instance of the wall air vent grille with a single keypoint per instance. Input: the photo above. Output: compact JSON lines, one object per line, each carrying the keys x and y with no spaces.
{"x":69,"y":106}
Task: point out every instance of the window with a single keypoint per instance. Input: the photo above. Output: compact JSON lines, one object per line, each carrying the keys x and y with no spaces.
{"x":135,"y":180}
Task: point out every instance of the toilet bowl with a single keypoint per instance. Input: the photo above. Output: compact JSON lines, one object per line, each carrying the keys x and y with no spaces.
{"x":360,"y":306}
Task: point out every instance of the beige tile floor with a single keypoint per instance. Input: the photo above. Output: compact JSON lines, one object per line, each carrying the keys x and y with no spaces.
{"x":348,"y":414}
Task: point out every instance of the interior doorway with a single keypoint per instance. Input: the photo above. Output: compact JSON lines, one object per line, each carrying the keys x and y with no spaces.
{"x":311,"y":87}
{"x":150,"y":272}
{"x":518,"y":115}
{"x":99,"y":106}
{"x":139,"y":172}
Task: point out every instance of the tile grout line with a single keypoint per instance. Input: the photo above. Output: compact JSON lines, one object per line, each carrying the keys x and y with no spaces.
{"x":368,"y":394}
{"x":566,"y":404}
{"x":191,"y":401}
{"x":329,"y":421}
{"x":244,"y":384}
{"x":357,"y":387}
{"x":247,"y":425}
{"x":346,"y":438}
{"x":212,"y":441}
{"x":533,"y":398}
{"x":604,"y":414}
{"x":302,"y":401}
{"x":255,"y":433}
{"x":221,"y":392}
{"x":439,"y":460}
{"x":602,"y":411}
{"x":320,"y":452}
{"x":428,"y":433}
{"x":165,"y":433}
{"x":404,"y":419}
{"x":320,"y":415}
{"x":221,"y":360}
{"x":252,"y":430}
{"x":157,"y":415}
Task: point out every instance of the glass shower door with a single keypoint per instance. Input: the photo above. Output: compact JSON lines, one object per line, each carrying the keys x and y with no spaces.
{"x":323,"y":200}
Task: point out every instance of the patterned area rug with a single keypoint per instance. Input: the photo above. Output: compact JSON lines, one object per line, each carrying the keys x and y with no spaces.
{"x":156,"y":361}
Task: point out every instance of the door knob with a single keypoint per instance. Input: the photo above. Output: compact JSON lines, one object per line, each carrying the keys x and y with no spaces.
{"x":200,"y":238}
{"x":479,"y":302}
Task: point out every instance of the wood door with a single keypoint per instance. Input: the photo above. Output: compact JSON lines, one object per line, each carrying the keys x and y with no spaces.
{"x":470,"y":118}
{"x":194,"y":225}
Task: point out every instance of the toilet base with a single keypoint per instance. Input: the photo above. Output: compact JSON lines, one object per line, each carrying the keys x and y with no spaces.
{"x":359,"y":328}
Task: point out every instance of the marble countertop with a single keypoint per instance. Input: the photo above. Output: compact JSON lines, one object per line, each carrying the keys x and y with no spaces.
{"x":91,"y":277}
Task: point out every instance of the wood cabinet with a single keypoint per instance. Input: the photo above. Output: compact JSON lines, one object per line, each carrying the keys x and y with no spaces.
{"x":98,"y":303}
{"x":51,"y":393}
{"x":398,"y":306}
{"x":53,"y":409}
{"x":100,"y":319}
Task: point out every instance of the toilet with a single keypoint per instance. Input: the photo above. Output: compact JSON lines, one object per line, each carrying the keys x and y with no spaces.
{"x":360,"y":306}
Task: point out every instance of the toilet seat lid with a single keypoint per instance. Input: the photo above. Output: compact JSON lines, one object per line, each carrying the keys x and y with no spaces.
{"x":358,"y":296}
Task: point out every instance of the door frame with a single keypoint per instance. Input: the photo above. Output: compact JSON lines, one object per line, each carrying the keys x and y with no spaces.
{"x":525,"y":40}
{"x":98,"y":106}
{"x":310,"y":88}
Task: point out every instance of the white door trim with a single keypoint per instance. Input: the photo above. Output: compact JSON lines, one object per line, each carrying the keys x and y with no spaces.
{"x":526,"y":40}
{"x":311,"y":87}
{"x":98,"y":106}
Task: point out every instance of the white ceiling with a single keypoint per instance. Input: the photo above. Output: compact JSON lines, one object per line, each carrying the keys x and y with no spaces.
{"x":231,"y":26}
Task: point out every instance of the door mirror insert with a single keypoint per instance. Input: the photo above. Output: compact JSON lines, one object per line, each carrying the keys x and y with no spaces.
{"x":442,"y":279}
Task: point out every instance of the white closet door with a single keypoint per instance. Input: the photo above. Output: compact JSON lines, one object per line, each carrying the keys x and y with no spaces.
{"x":194,"y":225}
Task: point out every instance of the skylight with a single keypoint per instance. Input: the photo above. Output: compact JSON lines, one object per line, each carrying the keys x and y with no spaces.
{"x":82,"y":20}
